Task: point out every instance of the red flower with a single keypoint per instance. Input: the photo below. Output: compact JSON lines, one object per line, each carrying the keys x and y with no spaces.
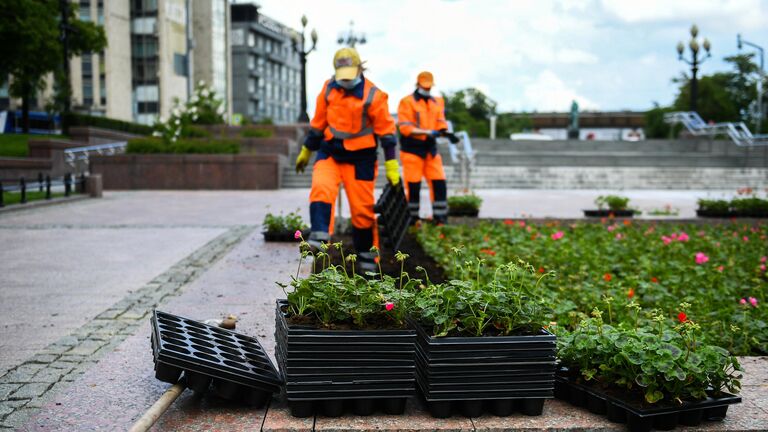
{"x":541,"y":270}
{"x":654,"y":280}
{"x":627,"y":222}
{"x":442,"y":236}
{"x":489,"y":252}
{"x":682,"y":317}
{"x":607,"y":277}
{"x":389,"y":306}
{"x":631,"y":293}
{"x":508,"y":222}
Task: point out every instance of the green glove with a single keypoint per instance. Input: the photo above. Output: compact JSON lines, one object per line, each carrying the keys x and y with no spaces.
{"x":393,"y":171}
{"x":303,"y":159}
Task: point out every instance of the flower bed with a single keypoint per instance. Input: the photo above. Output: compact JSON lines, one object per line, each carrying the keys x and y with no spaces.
{"x":720,"y":269}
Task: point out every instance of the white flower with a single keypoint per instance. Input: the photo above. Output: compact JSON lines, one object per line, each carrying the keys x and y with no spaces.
{"x":157,"y":134}
{"x":177,"y":121}
{"x":192,"y":110}
{"x":201,"y":83}
{"x":220,"y":110}
{"x":204,"y":93}
{"x":194,"y":98}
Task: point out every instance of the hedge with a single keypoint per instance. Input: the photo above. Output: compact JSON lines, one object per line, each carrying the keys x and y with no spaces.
{"x":182,"y":146}
{"x":75,"y":119}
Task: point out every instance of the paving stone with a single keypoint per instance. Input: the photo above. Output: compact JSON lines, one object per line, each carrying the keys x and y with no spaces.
{"x":49,"y":375}
{"x":86,"y":348}
{"x":109,"y":314}
{"x":7,"y":389}
{"x":22,"y":373}
{"x":5,"y":409}
{"x":18,"y":417}
{"x":68,"y":341}
{"x":43,"y":358}
{"x":30,"y":391}
{"x":135,"y":313}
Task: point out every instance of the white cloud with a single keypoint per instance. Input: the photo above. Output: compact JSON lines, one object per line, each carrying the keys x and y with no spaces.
{"x":547,"y":92}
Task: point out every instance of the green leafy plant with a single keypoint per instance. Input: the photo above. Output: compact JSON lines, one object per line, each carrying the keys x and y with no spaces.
{"x":714,"y":206}
{"x":662,"y":361}
{"x":752,"y":206}
{"x":507,"y":304}
{"x":613,"y":202}
{"x":252,"y":132}
{"x":291,"y":222}
{"x":182,"y":146}
{"x":668,"y":210}
{"x":203,"y":108}
{"x":467,"y":202}
{"x":330,"y":297}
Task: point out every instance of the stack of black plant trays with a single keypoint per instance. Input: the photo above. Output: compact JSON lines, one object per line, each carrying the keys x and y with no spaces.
{"x":394,"y":216}
{"x":283,"y":236}
{"x":623,"y":213}
{"x":235,"y":365}
{"x":629,"y":408}
{"x":330,"y":371}
{"x":498,"y":374}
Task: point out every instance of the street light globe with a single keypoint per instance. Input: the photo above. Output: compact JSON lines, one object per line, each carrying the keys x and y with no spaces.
{"x":304,"y":20}
{"x":707,"y":45}
{"x":694,"y":31}
{"x":314,"y":36}
{"x":680,"y":48}
{"x":694,"y":45}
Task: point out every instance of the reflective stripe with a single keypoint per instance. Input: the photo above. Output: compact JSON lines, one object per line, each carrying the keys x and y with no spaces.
{"x":366,"y":256}
{"x":346,"y":135}
{"x":406,"y":123}
{"x":418,"y":119}
{"x":413,"y":205}
{"x":319,"y":235}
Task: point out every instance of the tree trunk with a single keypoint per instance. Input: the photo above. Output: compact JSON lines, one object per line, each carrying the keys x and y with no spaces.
{"x":25,"y":108}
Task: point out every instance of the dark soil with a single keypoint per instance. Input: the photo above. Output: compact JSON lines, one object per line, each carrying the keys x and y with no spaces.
{"x":381,"y":322}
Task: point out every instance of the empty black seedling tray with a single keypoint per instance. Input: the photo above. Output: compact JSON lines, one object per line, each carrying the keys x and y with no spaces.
{"x":236,"y":364}
{"x":394,"y":216}
{"x":637,"y":417}
{"x":476,"y":407}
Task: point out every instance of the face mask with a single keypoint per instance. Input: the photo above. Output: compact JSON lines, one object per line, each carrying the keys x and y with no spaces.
{"x":423,"y":92}
{"x":349,"y":84}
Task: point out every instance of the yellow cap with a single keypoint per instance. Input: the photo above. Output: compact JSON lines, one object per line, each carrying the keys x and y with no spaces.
{"x":347,"y":63}
{"x":425,"y":80}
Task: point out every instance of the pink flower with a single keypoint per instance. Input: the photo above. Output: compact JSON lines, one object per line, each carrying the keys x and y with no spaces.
{"x":521,"y":223}
{"x":666,"y":240}
{"x":762,"y":267}
{"x":683,"y":237}
{"x":673,"y":236}
{"x":611,"y":228}
{"x":619,"y":236}
{"x":720,"y":268}
{"x":558,"y":235}
{"x":389,"y":306}
{"x":745,"y":238}
{"x":753,"y":301}
{"x":701,"y":258}
{"x":297,"y":234}
{"x":701,"y":233}
{"x":743,"y":301}
{"x":763,"y":259}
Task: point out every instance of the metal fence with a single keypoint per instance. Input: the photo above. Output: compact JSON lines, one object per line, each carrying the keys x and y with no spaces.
{"x":21,"y":185}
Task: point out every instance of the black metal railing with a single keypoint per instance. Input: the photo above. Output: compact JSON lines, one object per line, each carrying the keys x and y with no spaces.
{"x":70,"y":183}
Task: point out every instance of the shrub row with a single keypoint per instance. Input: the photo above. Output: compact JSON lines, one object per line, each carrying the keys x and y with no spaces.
{"x":182,"y":146}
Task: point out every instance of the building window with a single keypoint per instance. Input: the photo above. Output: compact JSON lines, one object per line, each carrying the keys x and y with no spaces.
{"x":251,"y":39}
{"x":100,"y":12}
{"x":250,"y":62}
{"x":85,"y":10}
{"x":251,"y":85}
{"x":148,"y":107}
{"x":180,"y":64}
{"x":144,"y":6}
{"x":144,"y":47}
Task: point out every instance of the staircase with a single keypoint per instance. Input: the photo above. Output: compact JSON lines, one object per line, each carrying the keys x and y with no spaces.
{"x":652,"y":164}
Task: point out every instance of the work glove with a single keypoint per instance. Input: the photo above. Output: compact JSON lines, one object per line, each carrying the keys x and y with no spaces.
{"x":392,"y":168}
{"x":303,"y":159}
{"x":452,"y":137}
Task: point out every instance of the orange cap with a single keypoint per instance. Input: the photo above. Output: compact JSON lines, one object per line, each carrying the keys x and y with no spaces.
{"x":425,"y":80}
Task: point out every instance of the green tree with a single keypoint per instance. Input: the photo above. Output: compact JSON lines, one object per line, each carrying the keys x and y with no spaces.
{"x":509,"y":123}
{"x":469,"y":110}
{"x":30,"y":47}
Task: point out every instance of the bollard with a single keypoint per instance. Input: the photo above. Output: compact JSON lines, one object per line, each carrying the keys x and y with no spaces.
{"x":2,"y":192}
{"x":40,"y":181}
{"x":81,"y":186}
{"x":47,"y":187}
{"x":67,"y":184}
{"x":23,"y":184}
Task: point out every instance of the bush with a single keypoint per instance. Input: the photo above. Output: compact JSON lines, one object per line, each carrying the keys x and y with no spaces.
{"x":291,"y":223}
{"x":614,"y":202}
{"x":752,"y":206}
{"x":74,"y":119}
{"x":718,"y":206}
{"x":469,"y":202}
{"x":256,"y":133}
{"x":182,"y":146}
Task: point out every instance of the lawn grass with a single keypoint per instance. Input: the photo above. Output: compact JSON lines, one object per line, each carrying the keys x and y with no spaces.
{"x":16,"y":145}
{"x":12,"y":198}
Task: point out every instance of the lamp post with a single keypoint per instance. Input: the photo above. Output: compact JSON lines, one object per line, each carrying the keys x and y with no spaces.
{"x":739,"y":43}
{"x":298,"y":47}
{"x":693,"y":45}
{"x":351,"y":38}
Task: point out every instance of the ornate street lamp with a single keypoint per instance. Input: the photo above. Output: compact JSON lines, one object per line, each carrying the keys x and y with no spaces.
{"x":740,"y":42}
{"x":298,"y":47}
{"x":351,"y":38}
{"x":693,"y":45}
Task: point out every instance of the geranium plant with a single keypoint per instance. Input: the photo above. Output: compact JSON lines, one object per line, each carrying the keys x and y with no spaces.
{"x":508,"y":304}
{"x":464,"y":203}
{"x":334,"y":298}
{"x":290,"y":223}
{"x":662,"y":361}
{"x":613,"y":202}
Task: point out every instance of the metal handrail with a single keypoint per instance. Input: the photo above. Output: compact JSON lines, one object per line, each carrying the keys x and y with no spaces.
{"x":76,"y":154}
{"x":738,"y":132}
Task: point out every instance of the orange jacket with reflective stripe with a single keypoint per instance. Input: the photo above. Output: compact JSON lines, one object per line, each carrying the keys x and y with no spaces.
{"x":356,"y":121}
{"x":420,"y":112}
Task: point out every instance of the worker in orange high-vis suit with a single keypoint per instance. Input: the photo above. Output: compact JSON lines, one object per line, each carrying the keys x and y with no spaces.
{"x":421,"y":119}
{"x":351,"y":117}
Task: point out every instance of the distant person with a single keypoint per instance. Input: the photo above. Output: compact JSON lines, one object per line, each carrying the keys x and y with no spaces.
{"x":351,"y":115}
{"x":421,"y":119}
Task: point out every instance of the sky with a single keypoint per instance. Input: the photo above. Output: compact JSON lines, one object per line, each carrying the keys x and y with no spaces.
{"x":527,"y":55}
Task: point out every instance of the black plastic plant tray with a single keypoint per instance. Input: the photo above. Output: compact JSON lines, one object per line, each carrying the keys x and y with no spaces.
{"x":608,"y":213}
{"x":475,"y":407}
{"x":463,"y":212}
{"x":372,"y":387}
{"x":394,"y":216}
{"x":301,"y":379}
{"x":235,"y":363}
{"x":463,"y":343}
{"x":283,"y":236}
{"x":641,"y":418}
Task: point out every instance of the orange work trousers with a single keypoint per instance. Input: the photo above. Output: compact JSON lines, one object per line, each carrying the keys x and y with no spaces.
{"x":430,"y":168}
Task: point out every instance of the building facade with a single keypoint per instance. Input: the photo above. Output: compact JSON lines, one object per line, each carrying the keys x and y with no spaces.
{"x":266,"y":70}
{"x":212,"y":59}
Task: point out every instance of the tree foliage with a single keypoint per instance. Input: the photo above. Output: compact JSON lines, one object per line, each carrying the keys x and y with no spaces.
{"x":31,"y":48}
{"x":470,"y":110}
